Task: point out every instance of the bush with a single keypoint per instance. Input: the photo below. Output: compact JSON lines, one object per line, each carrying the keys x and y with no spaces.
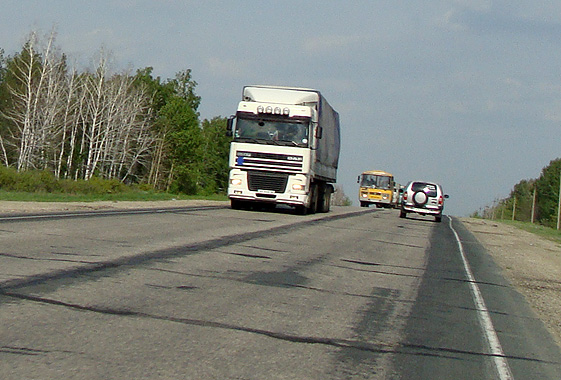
{"x":184,"y":181}
{"x":95,"y":185}
{"x":39,"y":181}
{"x":29,"y":181}
{"x":8,"y":178}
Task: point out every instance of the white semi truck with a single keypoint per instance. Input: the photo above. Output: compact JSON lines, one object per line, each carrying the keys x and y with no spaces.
{"x":285,"y":149}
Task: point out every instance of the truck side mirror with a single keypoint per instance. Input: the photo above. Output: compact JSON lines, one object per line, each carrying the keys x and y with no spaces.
{"x":230,"y":126}
{"x":319,"y":132}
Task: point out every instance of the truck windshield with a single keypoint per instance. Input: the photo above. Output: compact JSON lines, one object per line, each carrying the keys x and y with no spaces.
{"x":376,"y":181}
{"x":281,"y":132}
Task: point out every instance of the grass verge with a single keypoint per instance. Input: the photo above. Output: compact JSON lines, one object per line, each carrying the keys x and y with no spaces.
{"x":545,"y":232}
{"x":123,"y":196}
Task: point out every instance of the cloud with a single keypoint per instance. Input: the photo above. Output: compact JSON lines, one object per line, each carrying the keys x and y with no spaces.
{"x":227,"y":67}
{"x":327,"y":44}
{"x":493,"y":20}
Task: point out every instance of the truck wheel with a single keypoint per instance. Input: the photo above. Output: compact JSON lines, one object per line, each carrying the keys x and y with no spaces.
{"x":324,"y":198}
{"x":301,"y":210}
{"x":364,"y":204}
{"x":236,"y":204}
{"x":312,"y":209}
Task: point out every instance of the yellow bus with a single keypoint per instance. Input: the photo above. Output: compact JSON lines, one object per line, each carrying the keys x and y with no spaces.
{"x":379,"y":188}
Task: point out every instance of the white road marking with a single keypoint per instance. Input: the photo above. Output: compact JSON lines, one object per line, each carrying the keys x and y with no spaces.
{"x":495,"y":348}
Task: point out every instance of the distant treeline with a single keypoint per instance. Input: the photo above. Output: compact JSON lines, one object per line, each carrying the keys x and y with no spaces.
{"x":83,"y":123}
{"x":533,"y":200}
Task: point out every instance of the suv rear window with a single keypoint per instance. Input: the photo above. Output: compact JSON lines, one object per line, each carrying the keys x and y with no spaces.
{"x":427,"y":188}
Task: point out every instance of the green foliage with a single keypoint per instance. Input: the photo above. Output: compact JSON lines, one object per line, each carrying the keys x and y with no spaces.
{"x":8,"y":178}
{"x":215,"y":155}
{"x":523,"y":193}
{"x":42,"y":181}
{"x":30,"y":181}
{"x":185,"y":180}
{"x":518,"y":206}
{"x":548,"y":189}
{"x":182,"y":155}
{"x":543,"y":231}
{"x":94,"y":185}
{"x":347,"y":201}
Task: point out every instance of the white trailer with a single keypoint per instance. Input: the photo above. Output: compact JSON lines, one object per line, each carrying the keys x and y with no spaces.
{"x":285,"y":149}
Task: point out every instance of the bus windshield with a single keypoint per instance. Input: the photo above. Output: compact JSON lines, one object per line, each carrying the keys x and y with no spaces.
{"x":376,"y":181}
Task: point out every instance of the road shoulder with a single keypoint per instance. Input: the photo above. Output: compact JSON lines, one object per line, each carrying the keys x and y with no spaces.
{"x":531,"y":263}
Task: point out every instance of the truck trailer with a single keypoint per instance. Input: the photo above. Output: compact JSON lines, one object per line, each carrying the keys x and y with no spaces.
{"x":285,"y":149}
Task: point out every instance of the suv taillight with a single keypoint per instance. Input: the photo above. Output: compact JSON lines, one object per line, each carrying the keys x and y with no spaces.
{"x":440,"y":200}
{"x":405,"y":196}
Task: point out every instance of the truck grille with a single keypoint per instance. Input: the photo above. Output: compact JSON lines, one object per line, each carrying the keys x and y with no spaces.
{"x":263,"y":161}
{"x":267,"y":181}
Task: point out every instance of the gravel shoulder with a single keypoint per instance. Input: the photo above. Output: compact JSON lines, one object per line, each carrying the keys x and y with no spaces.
{"x":531,"y":263}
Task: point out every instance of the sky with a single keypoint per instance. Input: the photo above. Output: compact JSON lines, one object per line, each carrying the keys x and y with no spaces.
{"x":466,"y":93}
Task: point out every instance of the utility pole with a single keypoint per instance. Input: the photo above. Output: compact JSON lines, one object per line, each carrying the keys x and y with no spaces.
{"x":559,"y":203}
{"x":533,"y":205}
{"x":514,"y":209}
{"x":503,"y":205}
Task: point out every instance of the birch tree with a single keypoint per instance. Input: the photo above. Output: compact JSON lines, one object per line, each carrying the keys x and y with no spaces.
{"x":38,"y":93}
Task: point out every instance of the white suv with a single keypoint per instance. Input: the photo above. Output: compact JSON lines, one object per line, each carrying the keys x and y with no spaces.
{"x":422,"y":197}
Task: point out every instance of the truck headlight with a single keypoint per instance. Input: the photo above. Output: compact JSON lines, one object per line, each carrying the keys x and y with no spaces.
{"x":298,"y":187}
{"x":236,"y":181}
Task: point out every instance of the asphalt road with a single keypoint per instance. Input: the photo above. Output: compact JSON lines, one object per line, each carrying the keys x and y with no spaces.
{"x":215,"y":293}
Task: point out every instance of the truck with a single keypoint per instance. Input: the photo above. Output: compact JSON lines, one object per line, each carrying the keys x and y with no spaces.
{"x":379,"y":188}
{"x":284,"y":150}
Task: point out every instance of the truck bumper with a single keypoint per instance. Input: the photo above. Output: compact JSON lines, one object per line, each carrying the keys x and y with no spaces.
{"x":238,"y":189}
{"x":292,"y":200}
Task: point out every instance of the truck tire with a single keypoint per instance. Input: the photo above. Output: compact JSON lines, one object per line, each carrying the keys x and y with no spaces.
{"x":324,"y":198}
{"x":301,"y":210}
{"x":236,"y":204}
{"x":312,"y":209}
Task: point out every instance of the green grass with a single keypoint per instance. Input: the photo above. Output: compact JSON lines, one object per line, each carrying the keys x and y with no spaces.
{"x":42,"y":186}
{"x":122,"y":196}
{"x":545,"y":232}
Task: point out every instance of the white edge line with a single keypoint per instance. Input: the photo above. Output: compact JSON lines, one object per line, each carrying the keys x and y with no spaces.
{"x":495,"y":348}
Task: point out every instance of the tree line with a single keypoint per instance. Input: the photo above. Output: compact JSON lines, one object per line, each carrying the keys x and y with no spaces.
{"x":84,"y":123}
{"x":531,"y":200}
